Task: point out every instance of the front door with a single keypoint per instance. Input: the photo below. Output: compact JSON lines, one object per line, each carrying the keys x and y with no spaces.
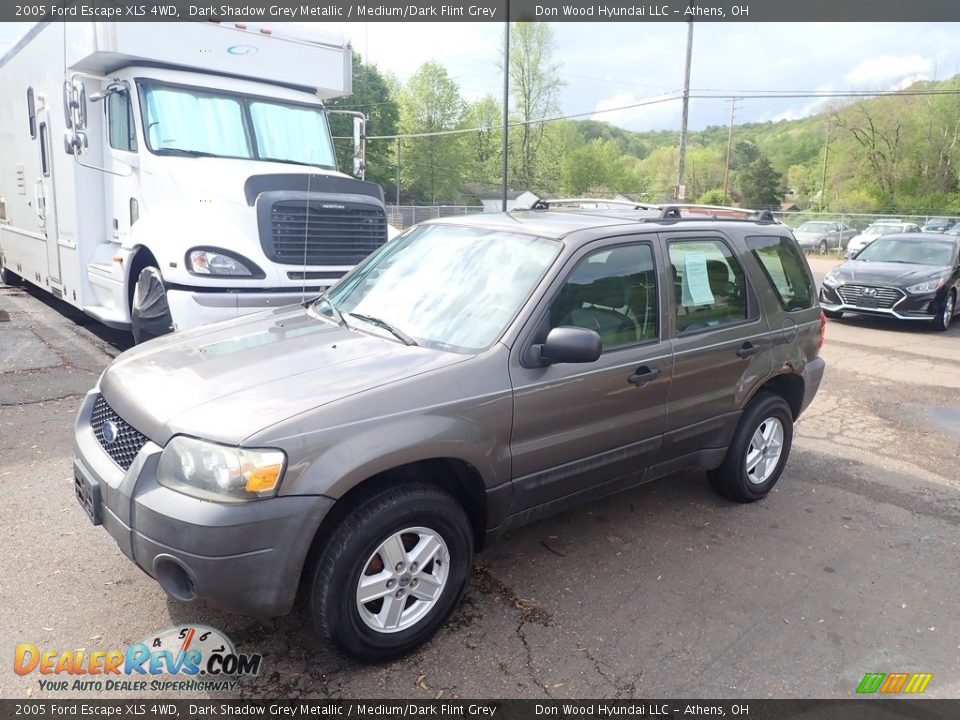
{"x":583,"y":430}
{"x":45,"y":196}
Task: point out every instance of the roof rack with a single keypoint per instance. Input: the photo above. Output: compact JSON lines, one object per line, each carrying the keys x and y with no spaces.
{"x":665,"y":211}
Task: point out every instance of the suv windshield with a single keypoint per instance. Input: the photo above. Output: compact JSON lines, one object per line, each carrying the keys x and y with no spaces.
{"x":908,"y":250}
{"x":447,"y":287}
{"x":883,"y":229}
{"x":198,"y":122}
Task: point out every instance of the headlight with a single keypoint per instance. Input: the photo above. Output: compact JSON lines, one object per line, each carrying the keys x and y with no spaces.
{"x":220,"y":472}
{"x":926,"y":287}
{"x":204,"y":261}
{"x":832,"y":279}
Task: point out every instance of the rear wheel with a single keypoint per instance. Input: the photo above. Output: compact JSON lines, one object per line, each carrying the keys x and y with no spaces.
{"x":9,"y":277}
{"x":149,"y":312}
{"x":390,"y":573}
{"x":947,"y":309}
{"x":758,"y":451}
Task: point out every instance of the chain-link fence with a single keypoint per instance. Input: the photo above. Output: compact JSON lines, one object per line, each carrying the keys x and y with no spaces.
{"x":403,"y":216}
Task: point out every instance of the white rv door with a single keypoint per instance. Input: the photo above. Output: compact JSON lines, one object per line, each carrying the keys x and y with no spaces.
{"x":44,"y":195}
{"x":120,"y":148}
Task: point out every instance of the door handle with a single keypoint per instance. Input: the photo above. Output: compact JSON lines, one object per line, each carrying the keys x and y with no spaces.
{"x":747,"y":349}
{"x":644,"y":375}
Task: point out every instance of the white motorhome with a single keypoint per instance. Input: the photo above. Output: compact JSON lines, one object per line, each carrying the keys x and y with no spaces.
{"x":159,"y":175}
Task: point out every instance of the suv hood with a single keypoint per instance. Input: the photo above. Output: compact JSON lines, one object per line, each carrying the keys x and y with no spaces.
{"x":227,"y":381}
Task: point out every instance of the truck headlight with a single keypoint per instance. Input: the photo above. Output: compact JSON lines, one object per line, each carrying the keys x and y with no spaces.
{"x":223,"y":473}
{"x":212,"y":261}
{"x":926,"y":287}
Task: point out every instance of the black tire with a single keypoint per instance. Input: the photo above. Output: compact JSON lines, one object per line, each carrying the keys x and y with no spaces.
{"x":732,"y":479}
{"x":149,"y":310}
{"x":822,"y":248}
{"x":333,"y":575}
{"x":945,"y":313}
{"x":9,"y":277}
{"x":833,"y":314}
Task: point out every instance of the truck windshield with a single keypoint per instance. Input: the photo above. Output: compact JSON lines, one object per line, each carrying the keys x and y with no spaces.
{"x":190,"y":121}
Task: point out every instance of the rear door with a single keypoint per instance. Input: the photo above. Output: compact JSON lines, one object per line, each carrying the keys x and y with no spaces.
{"x":721,"y":347}
{"x":584,"y":430}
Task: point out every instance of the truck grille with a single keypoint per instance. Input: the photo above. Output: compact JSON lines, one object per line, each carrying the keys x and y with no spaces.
{"x":882,"y":298}
{"x":126,"y":442}
{"x":317,"y":234}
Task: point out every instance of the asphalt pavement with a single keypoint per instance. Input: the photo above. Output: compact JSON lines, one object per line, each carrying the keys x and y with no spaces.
{"x":848,"y":567}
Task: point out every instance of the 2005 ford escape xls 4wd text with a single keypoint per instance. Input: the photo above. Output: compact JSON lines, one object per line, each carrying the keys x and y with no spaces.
{"x":470,"y":376}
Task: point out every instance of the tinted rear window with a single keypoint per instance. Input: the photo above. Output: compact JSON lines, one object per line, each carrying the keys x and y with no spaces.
{"x":785,"y":268}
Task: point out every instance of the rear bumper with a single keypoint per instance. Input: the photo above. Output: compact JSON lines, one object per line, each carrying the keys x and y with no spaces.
{"x":812,"y":376}
{"x":245,"y":557}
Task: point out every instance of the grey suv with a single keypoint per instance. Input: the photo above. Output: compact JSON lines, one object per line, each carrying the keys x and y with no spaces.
{"x":472,"y":375}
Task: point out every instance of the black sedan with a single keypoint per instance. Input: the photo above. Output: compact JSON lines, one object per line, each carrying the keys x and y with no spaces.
{"x":910,"y":277}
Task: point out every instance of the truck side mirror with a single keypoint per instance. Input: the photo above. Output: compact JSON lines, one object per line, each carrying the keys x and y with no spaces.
{"x":359,"y":147}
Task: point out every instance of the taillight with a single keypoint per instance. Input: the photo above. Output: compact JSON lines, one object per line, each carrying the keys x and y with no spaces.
{"x":823,"y":330}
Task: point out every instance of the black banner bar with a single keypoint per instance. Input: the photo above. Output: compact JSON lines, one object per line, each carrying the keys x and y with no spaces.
{"x":858,"y":709}
{"x":275,"y":11}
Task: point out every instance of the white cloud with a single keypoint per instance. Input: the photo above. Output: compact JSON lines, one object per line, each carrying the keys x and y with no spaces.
{"x":889,"y":69}
{"x":627,"y":110}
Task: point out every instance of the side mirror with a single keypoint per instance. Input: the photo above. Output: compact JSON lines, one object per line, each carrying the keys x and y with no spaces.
{"x":569,"y":345}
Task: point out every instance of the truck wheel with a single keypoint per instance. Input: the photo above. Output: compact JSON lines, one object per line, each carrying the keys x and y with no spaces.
{"x":947,"y":309}
{"x":390,"y":573}
{"x":758,"y":451}
{"x":10,"y":278}
{"x":149,"y":311}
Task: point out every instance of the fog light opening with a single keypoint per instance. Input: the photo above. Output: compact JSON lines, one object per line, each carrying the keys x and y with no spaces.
{"x":174,"y":578}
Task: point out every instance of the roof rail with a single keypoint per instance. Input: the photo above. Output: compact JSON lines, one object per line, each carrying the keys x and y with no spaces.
{"x":670,"y":212}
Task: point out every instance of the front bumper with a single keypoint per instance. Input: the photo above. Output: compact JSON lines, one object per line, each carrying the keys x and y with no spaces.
{"x":910,"y":307}
{"x":191,"y":308}
{"x":246,"y":557}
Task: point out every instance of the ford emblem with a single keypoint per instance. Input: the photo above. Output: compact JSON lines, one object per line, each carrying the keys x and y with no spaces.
{"x":110,"y":432}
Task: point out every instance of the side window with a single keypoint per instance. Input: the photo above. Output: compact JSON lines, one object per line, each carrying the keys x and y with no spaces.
{"x":786,"y":270}
{"x":122,"y":131}
{"x":44,"y":150}
{"x":614,"y":292}
{"x":709,"y":286}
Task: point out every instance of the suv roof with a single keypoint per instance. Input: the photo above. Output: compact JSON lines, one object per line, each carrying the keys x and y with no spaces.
{"x":556,"y":224}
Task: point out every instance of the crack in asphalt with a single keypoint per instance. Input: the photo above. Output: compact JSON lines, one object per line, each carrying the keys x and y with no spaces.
{"x":620,"y":689}
{"x":71,"y":396}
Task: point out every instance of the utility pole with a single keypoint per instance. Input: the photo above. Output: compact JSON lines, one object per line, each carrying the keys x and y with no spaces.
{"x":726,"y":170}
{"x":680,"y":191}
{"x":823,"y":175}
{"x":398,"y":171}
{"x":506,"y":101}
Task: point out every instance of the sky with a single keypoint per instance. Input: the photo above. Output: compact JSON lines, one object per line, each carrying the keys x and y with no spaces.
{"x":605,"y":66}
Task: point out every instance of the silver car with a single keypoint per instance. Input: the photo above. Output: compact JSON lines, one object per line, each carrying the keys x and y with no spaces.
{"x":823,"y":235}
{"x":472,"y":375}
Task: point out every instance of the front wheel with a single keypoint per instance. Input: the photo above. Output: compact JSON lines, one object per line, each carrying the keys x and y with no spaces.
{"x":758,"y":451}
{"x":947,"y":309}
{"x":390,"y":573}
{"x":150,"y":312}
{"x":823,"y":247}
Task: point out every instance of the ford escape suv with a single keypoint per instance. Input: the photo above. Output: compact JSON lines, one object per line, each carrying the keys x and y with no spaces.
{"x":472,"y":375}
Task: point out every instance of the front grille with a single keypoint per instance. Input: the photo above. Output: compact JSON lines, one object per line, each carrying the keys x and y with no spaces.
{"x":311,"y":234}
{"x":126,"y":442}
{"x":866,"y":295}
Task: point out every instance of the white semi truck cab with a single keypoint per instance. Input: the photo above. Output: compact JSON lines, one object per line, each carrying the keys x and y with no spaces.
{"x":160,"y":176}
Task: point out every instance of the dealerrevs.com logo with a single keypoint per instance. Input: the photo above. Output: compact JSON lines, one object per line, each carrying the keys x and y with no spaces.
{"x":190,"y":658}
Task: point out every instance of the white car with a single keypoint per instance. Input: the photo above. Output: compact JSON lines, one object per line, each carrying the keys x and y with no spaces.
{"x":881,"y":227}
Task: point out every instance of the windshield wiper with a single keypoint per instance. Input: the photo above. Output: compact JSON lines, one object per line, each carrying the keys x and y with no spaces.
{"x":183,"y":152}
{"x":338,"y":316}
{"x":399,"y":334}
{"x":293,"y":162}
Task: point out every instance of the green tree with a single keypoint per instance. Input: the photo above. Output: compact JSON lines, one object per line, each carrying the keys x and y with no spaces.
{"x":595,"y":167}
{"x":761,"y":185}
{"x":373,"y":97}
{"x":534,"y":85}
{"x":484,"y":161}
{"x":431,"y":166}
{"x":713,"y":196}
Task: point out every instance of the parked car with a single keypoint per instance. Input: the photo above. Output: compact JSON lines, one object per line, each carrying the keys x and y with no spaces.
{"x":472,"y":375}
{"x":877,"y":229}
{"x":823,"y":235}
{"x":910,"y":277}
{"x":939,"y":224}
